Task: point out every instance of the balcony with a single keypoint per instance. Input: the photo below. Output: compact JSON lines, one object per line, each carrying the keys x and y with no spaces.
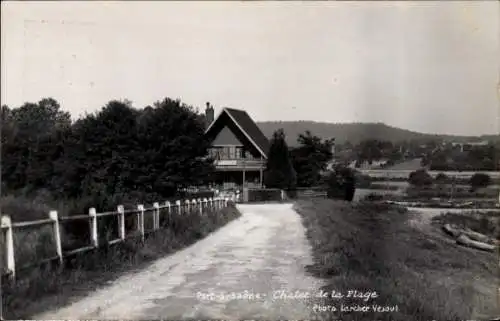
{"x":240,"y":164}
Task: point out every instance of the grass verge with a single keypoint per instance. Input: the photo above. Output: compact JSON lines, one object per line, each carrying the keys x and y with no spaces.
{"x":370,"y":248}
{"x":48,"y":287}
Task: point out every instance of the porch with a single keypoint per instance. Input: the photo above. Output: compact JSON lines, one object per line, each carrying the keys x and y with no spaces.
{"x":233,"y":178}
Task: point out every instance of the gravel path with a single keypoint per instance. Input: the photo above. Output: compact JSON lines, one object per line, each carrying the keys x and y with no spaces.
{"x":253,"y":258}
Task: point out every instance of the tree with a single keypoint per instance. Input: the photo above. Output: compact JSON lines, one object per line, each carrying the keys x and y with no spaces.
{"x":279,"y":171}
{"x":27,"y":133}
{"x":122,"y":151}
{"x":370,"y":150}
{"x":177,"y":146}
{"x":420,"y":178}
{"x":479,"y":180}
{"x":311,"y":158}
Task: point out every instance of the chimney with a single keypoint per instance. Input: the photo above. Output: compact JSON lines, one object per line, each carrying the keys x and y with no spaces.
{"x":209,"y":114}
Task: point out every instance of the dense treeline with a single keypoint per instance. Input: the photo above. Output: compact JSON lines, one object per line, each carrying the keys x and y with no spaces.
{"x":116,"y":154}
{"x":477,"y":158}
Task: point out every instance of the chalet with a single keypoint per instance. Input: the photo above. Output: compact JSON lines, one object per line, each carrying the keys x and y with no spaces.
{"x":239,"y":148}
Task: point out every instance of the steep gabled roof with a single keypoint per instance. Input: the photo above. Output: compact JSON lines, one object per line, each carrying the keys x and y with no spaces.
{"x":249,"y":128}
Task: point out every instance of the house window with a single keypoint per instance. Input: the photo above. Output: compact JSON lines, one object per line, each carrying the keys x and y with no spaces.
{"x":240,"y":152}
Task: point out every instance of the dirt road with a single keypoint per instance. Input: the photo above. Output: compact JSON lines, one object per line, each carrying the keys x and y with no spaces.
{"x":258,"y":259}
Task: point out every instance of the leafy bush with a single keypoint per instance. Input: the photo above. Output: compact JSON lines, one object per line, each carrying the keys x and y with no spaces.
{"x":363,"y":181}
{"x":441,"y":177}
{"x":420,"y":178}
{"x":341,"y":184}
{"x":479,"y":180}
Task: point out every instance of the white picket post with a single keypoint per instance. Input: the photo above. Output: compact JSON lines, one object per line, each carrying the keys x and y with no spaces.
{"x":140,"y":222}
{"x":156,"y":216}
{"x":200,"y":205}
{"x":9,"y":246}
{"x":93,"y":227}
{"x":179,"y":206}
{"x":194,"y":204}
{"x":226,"y":200}
{"x":57,"y":235}
{"x":168,"y":206}
{"x":204,"y":205}
{"x":210,"y":203}
{"x":121,"y":221}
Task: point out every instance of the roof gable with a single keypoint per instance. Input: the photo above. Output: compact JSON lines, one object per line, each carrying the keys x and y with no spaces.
{"x":247,"y":126}
{"x":226,"y":137}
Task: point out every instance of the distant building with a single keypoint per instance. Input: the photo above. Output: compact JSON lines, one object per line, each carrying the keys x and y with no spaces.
{"x":468,"y":145}
{"x":239,"y":148}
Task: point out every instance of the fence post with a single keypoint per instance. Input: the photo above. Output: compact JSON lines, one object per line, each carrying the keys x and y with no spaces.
{"x":226,"y":200}
{"x":140,"y":222}
{"x":188,"y":206}
{"x":57,"y":235}
{"x":168,"y":206}
{"x":210,"y":204}
{"x":156,"y":216}
{"x":121,"y":221}
{"x":204,"y":205}
{"x":193,"y":201}
{"x":178,"y":204}
{"x":198,"y":203}
{"x":93,"y":227}
{"x":11,"y":262}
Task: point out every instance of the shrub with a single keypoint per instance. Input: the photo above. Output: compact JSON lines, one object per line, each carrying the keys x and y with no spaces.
{"x":441,"y":177}
{"x":420,"y":178}
{"x":341,"y":184}
{"x":479,"y":180}
{"x":363,"y":181}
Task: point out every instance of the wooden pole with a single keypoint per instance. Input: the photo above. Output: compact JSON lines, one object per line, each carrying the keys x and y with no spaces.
{"x":93,"y":227}
{"x":9,"y":246}
{"x":156,"y":216}
{"x":121,"y":221}
{"x":140,"y":222}
{"x":57,"y":235}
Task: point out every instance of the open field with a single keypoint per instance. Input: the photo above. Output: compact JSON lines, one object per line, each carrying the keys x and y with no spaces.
{"x":375,"y":248}
{"x":409,"y":165}
{"x":389,"y":174}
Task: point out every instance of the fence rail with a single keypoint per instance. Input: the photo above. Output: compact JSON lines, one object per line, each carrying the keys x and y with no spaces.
{"x":8,"y":227}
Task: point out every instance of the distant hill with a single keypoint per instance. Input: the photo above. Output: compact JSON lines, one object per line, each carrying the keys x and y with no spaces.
{"x":356,"y":132}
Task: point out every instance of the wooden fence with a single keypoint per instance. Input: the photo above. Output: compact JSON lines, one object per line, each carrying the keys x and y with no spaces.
{"x":7,"y":227}
{"x":307,"y":192}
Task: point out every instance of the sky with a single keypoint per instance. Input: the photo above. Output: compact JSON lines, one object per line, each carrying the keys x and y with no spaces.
{"x":427,"y":66}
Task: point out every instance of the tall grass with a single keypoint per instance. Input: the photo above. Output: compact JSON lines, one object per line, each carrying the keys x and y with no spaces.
{"x":371,"y":247}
